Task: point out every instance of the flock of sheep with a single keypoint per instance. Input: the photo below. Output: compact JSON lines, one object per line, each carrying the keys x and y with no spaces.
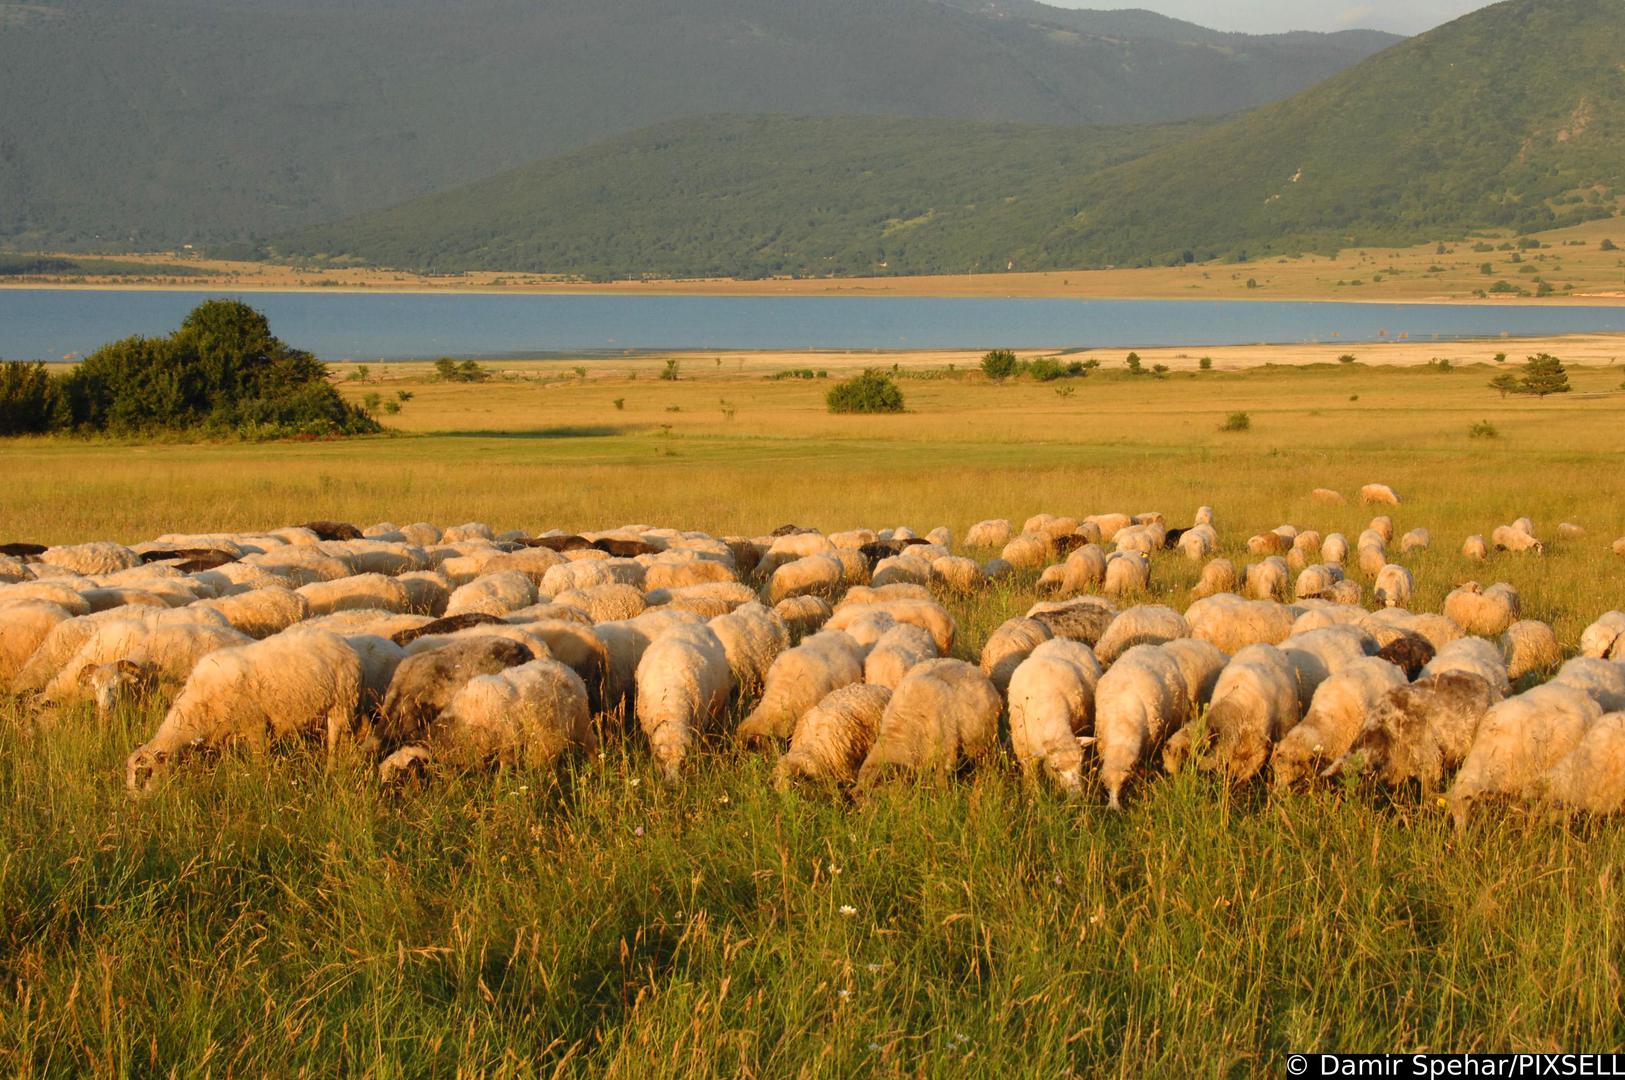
{"x":463,"y":648}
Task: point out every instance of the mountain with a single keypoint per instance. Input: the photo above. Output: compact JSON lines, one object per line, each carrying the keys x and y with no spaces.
{"x":157,"y":122}
{"x":750,"y":197}
{"x":1513,"y":117}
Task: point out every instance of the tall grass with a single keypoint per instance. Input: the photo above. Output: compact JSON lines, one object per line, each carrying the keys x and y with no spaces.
{"x":286,"y":917}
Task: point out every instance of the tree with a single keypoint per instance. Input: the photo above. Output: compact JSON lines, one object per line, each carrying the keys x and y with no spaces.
{"x":871,"y":392}
{"x":1507,"y":383}
{"x":1543,"y":375}
{"x":1133,"y":363}
{"x":28,"y":398}
{"x":1000,"y":364}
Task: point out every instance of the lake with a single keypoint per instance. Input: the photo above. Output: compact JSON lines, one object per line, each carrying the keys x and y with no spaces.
{"x":54,"y":324}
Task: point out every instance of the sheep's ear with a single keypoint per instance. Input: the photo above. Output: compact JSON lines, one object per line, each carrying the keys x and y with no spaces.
{"x":1086,"y":741}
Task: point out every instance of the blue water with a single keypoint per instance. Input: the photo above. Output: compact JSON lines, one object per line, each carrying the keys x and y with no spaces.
{"x":55,"y":324}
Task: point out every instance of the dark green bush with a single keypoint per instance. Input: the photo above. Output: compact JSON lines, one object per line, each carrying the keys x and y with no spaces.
{"x":222,"y":372}
{"x":1237,"y":421}
{"x":28,"y":398}
{"x":1046,"y":370}
{"x":871,"y":392}
{"x":1000,"y":364}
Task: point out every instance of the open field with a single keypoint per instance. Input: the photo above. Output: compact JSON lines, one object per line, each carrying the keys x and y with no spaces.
{"x":297,"y":919}
{"x":1574,"y":261}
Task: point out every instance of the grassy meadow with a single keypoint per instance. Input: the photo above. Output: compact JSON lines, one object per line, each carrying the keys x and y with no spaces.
{"x":296,"y":920}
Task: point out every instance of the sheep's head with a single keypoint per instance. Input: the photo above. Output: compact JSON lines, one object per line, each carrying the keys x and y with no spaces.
{"x":107,"y":684}
{"x":144,"y":768}
{"x":1599,"y":640}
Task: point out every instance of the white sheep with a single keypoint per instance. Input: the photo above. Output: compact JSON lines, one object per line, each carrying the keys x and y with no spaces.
{"x":1052,"y":707}
{"x":534,"y":563}
{"x":1232,"y":624}
{"x":811,"y":575}
{"x":1529,"y":647}
{"x":803,"y":614}
{"x":23,"y":628}
{"x":1334,"y":550}
{"x":1515,"y":540}
{"x":1335,"y":719}
{"x":1148,"y":624}
{"x":44,"y":592}
{"x":289,"y":686}
{"x":624,"y":644}
{"x":1267,"y":580}
{"x":955,"y":573}
{"x":1518,"y":740}
{"x":1379,"y":493}
{"x":1317,"y":581}
{"x":753,"y":638}
{"x":1481,"y":611}
{"x":362,"y":592}
{"x":900,"y":569}
{"x":1218,"y":576}
{"x":896,"y":653}
{"x":1027,"y":551}
{"x":1474,"y":548}
{"x":425,"y":683}
{"x":799,"y":679}
{"x":1138,"y":704}
{"x":1084,"y":568}
{"x":97,"y":557}
{"x":259,"y":613}
{"x":1415,"y":540}
{"x":586,"y":573}
{"x":944,"y":714}
{"x":715,"y":598}
{"x":1109,"y":525}
{"x":1475,"y":656}
{"x":123,"y":655}
{"x":1602,"y":680}
{"x":527,"y":716}
{"x":833,"y":737}
{"x":1082,"y":618}
{"x":1590,"y":778}
{"x":926,"y":614}
{"x":1198,"y":543}
{"x":1127,"y":573}
{"x":1605,"y":638}
{"x":604,"y":603}
{"x":1009,"y":645}
{"x":493,"y":594}
{"x":1394,"y":586}
{"x":1420,"y":731}
{"x":683,"y":686}
{"x":1255,"y":703}
{"x":1317,"y":655}
{"x":988,"y":535}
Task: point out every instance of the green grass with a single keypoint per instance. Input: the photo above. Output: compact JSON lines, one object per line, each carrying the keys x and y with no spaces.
{"x":269,"y":918}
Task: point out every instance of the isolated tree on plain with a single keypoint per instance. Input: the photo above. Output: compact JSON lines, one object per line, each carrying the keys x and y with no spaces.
{"x":1507,"y":383}
{"x":1543,"y":375}
{"x":1000,"y":364}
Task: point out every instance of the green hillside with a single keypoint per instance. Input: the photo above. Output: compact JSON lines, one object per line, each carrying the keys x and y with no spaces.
{"x":145,"y":123}
{"x":748,"y":197}
{"x":1510,"y":118}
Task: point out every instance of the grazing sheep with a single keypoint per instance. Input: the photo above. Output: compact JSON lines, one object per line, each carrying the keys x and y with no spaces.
{"x":493,"y":594}
{"x":683,"y":574}
{"x":1254,"y":704}
{"x":1387,"y":624}
{"x":896,"y":654}
{"x":297,"y":565}
{"x":427,"y":591}
{"x":1083,"y":618}
{"x":1141,"y":539}
{"x":1127,"y":573}
{"x":624,"y":644}
{"x":1052,"y":705}
{"x":1009,"y":645}
{"x":1270,"y":543}
{"x":1149,"y":624}
{"x":941,"y":535}
{"x":1605,"y":638}
{"x":1204,"y":516}
{"x":122,"y":656}
{"x":1027,"y":552}
{"x":44,"y":592}
{"x":1474,"y":656}
{"x":811,"y":575}
{"x":753,"y":638}
{"x":363,"y":592}
{"x":1198,"y":543}
{"x":955,"y":573}
{"x":1371,"y":559}
{"x":718,"y":598}
{"x":1475,"y":548}
{"x":1232,"y":624}
{"x":1619,"y":546}
{"x":1410,"y":653}
{"x":445,"y":627}
{"x":289,"y":686}
{"x":987,"y":535}
{"x":1084,"y":568}
{"x":901,"y":569}
{"x":803,"y":615}
{"x":944,"y":714}
{"x":926,"y":614}
{"x":1334,"y":550}
{"x":1334,"y":720}
{"x":1346,"y":593}
{"x":1602,"y":680}
{"x":1327,"y":497}
{"x":683,"y":686}
{"x":1481,"y":611}
{"x":586,"y":573}
{"x":527,"y":715}
{"x":105,"y":599}
{"x":534,"y":563}
{"x":1518,"y":740}
{"x":1138,"y":703}
{"x":425,"y":683}
{"x":1265,"y":580}
{"x":1591,"y":778}
{"x":1317,"y":581}
{"x":1218,"y":576}
{"x":604,"y":603}
{"x":1109,"y":525}
{"x":1529,"y":647}
{"x":1379,"y":494}
{"x":1394,"y":587}
{"x":833,"y":737}
{"x":1415,"y":540}
{"x":1420,"y":731}
{"x":23,"y":629}
{"x":799,"y":679}
{"x":1515,"y":540}
{"x":472,"y":530}
{"x":375,"y":557}
{"x":1317,"y":655}
{"x":98,"y":557}
{"x":1320,"y":616}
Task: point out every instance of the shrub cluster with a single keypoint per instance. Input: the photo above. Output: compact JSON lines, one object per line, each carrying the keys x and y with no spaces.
{"x":871,"y":392}
{"x":221,"y":373}
{"x":1002,"y":364}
